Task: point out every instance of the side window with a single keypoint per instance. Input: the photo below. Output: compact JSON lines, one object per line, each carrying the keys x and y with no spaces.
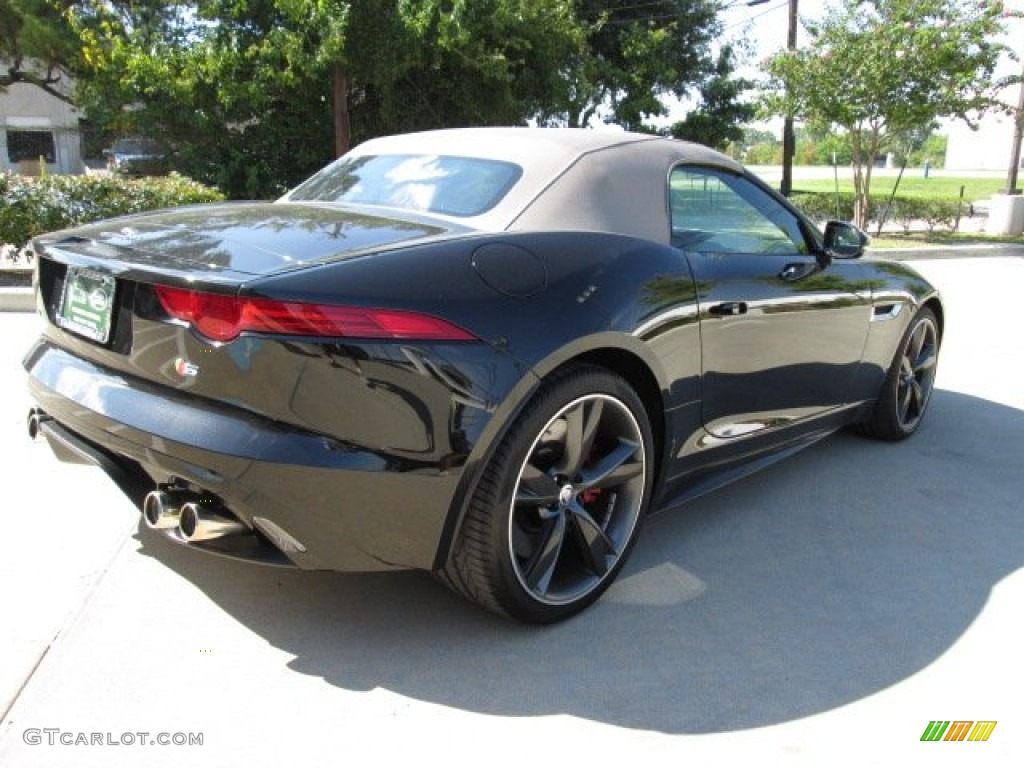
{"x":718,"y":212}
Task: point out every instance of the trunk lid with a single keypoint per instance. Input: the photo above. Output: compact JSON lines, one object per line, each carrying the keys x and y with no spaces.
{"x":95,"y":284}
{"x":230,"y":243}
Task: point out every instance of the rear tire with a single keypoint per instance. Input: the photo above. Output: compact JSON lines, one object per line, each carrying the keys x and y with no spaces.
{"x":907,"y":390}
{"x":558,"y":508}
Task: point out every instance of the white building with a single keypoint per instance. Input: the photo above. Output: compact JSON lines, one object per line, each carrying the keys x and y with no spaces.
{"x":989,"y":147}
{"x":34,"y":125}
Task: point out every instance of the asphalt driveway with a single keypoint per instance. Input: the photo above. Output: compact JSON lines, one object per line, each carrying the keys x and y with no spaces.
{"x":822,"y":612}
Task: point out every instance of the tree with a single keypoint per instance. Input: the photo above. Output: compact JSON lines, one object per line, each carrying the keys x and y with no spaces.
{"x":214,"y":82}
{"x":416,"y":65}
{"x":636,"y":53}
{"x":817,"y":145}
{"x":37,"y":46}
{"x":249,"y":93}
{"x":719,"y":117}
{"x":880,"y":69}
{"x":252,"y":95}
{"x":932,"y":149}
{"x":480,"y":62}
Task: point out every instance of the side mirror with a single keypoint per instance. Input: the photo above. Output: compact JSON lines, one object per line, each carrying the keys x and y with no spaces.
{"x":844,"y":241}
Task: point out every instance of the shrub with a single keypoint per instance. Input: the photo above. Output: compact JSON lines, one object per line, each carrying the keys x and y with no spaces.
{"x":933,"y":212}
{"x":821,"y":206}
{"x":905,"y":211}
{"x":32,"y":206}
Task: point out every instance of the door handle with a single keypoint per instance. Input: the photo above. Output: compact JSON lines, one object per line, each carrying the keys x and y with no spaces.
{"x":797,"y":271}
{"x":729,"y":309}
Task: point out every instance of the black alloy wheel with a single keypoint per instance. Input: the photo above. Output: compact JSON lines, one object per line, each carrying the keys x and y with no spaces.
{"x":559,"y":507}
{"x":907,"y":390}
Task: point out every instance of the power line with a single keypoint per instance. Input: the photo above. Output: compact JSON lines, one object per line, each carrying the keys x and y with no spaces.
{"x":742,"y":3}
{"x":660,"y":3}
{"x":612,"y":21}
{"x":749,"y":19}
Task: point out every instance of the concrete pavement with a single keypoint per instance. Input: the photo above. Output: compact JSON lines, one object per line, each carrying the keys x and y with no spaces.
{"x":822,"y":612}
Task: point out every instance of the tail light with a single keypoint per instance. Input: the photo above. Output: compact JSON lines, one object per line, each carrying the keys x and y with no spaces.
{"x":222,"y":318}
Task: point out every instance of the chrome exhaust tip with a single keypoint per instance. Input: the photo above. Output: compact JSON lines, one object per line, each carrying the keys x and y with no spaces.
{"x":200,"y":523}
{"x":161,"y":509}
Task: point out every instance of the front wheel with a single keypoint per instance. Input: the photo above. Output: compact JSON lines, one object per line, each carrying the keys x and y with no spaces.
{"x":907,"y":389}
{"x":559,"y":506}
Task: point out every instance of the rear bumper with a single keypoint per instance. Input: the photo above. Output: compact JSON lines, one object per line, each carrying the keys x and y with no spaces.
{"x":352,"y":509}
{"x":129,"y":477}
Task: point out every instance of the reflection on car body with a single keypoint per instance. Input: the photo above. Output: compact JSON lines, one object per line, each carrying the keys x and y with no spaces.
{"x":485,"y":353}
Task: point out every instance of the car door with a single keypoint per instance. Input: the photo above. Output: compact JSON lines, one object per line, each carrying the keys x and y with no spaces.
{"x":782,"y":327}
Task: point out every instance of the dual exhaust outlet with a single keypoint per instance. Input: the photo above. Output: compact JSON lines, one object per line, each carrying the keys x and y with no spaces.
{"x":169,"y":509}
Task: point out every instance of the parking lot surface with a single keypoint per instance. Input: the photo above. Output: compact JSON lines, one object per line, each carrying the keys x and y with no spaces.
{"x":822,"y":612}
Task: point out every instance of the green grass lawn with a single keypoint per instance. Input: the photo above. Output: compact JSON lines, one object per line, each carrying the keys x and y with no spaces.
{"x":917,"y":185}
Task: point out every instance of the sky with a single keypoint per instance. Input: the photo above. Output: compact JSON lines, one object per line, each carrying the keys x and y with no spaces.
{"x":765,"y":26}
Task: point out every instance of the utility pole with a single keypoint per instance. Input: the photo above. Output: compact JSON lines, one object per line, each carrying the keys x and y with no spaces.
{"x":788,"y":136}
{"x":1018,"y":134}
{"x":1006,"y":213}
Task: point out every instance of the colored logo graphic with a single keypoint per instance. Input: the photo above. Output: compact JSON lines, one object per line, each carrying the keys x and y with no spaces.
{"x":959,"y":730}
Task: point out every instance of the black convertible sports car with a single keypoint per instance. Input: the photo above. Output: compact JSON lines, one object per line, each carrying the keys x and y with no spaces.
{"x":485,"y":353}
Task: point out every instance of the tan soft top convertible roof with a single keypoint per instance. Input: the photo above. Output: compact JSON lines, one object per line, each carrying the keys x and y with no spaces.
{"x":573,"y":179}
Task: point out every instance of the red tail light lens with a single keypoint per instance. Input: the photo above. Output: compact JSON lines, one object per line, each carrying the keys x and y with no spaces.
{"x":223,"y":318}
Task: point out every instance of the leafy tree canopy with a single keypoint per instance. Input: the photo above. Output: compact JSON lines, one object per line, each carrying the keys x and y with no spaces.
{"x":881,"y":69}
{"x":637,"y":52}
{"x":242,"y":90}
{"x":252,"y":95}
{"x":719,"y":119}
{"x":37,"y":46}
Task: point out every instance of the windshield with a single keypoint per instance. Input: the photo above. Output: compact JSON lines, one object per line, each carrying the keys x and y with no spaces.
{"x":452,"y":186}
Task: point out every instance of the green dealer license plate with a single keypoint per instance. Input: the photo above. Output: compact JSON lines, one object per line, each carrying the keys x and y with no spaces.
{"x":88,"y":304}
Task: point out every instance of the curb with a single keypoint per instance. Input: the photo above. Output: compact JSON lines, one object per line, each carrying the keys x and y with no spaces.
{"x":967,"y":250}
{"x":1003,"y":247}
{"x":17,"y":300}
